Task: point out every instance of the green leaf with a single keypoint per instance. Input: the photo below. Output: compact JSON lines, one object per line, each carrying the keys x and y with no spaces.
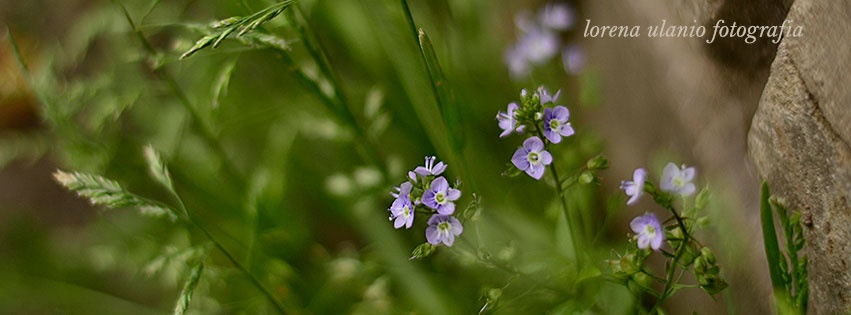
{"x":220,"y":88}
{"x":772,"y":247}
{"x":443,"y":92}
{"x":188,"y":290}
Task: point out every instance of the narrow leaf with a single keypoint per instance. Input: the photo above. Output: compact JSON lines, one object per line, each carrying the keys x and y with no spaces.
{"x":443,"y":92}
{"x":157,"y":169}
{"x":220,"y":88}
{"x":188,"y":289}
{"x":772,"y":248}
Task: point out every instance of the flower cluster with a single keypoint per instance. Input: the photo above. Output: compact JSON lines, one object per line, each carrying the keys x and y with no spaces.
{"x":687,"y":253}
{"x":427,"y":192}
{"x":541,"y":41}
{"x":675,"y":180}
{"x":539,"y":114}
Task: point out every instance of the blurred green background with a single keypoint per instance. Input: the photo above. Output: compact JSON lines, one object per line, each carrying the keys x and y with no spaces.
{"x":294,"y":189}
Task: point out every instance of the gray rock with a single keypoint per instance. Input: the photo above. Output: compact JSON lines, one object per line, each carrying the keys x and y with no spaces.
{"x":799,"y":141}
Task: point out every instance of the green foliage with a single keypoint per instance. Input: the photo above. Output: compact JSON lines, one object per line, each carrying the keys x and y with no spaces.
{"x":689,"y":254}
{"x":106,"y":192}
{"x":786,"y":261}
{"x":274,"y":156}
{"x":188,"y":290}
{"x":224,"y":28}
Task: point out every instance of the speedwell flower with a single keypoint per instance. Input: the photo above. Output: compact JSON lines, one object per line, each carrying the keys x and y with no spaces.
{"x":430,"y":168}
{"x":677,"y":180}
{"x":508,"y":121}
{"x":649,"y":231}
{"x":403,"y":190}
{"x":555,"y":123}
{"x":443,"y":228}
{"x":402,"y":211}
{"x":634,"y":188}
{"x":546,"y":97}
{"x":439,"y":196}
{"x":532,"y":157}
{"x":573,"y":59}
{"x":557,"y":16}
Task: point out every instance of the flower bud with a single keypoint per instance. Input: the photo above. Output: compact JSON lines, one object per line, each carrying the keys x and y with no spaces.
{"x":689,"y":254}
{"x":702,"y":222}
{"x":422,"y":250}
{"x":699,"y":266}
{"x":628,"y":264}
{"x":707,"y":254}
{"x":642,"y":279}
{"x":597,"y":163}
{"x":587,"y":177}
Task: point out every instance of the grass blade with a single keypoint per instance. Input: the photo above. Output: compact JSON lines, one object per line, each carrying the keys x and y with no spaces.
{"x":443,"y":93}
{"x":769,"y":235}
{"x":105,"y":192}
{"x":157,"y":169}
{"x":188,"y":289}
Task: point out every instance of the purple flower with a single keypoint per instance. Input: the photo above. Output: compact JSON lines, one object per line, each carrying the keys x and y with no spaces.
{"x":443,"y":228}
{"x":557,"y":16}
{"x":539,"y":45}
{"x":532,"y":157}
{"x":439,"y":196}
{"x":430,"y":168}
{"x":518,"y":66}
{"x":508,"y":121}
{"x":573,"y":59}
{"x":677,"y":180}
{"x":545,"y":96}
{"x":403,"y":190}
{"x":402,"y":211}
{"x":634,"y":188}
{"x":649,"y":231}
{"x":555,"y":123}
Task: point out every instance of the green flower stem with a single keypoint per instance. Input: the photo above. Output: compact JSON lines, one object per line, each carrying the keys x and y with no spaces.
{"x":669,"y":283}
{"x":575,"y":233}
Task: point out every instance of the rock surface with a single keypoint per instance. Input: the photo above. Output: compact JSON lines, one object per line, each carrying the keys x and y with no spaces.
{"x":799,"y":141}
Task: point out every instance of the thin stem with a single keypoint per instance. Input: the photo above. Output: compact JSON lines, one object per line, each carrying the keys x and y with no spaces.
{"x":256,"y":282}
{"x":679,"y":252}
{"x":206,"y":134}
{"x":574,"y":230}
{"x":339,"y":103}
{"x":511,"y":270}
